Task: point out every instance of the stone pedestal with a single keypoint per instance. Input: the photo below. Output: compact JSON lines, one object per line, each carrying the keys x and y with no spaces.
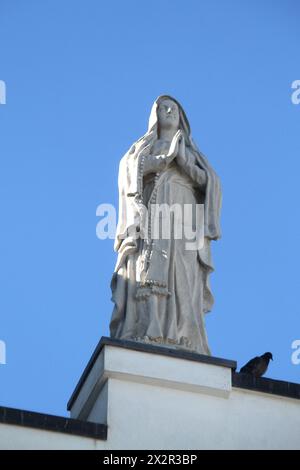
{"x":152,"y":397}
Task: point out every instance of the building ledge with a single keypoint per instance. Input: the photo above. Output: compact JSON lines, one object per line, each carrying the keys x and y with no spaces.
{"x":146,"y":348}
{"x":54,"y":423}
{"x":266,"y":385}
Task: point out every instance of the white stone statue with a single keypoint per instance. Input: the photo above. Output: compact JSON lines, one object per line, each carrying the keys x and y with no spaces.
{"x":160,"y":289}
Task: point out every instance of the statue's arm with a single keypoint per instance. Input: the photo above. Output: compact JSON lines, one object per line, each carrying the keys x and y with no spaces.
{"x":189,"y":165}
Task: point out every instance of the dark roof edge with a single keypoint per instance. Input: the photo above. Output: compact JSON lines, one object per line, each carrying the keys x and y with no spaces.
{"x":266,"y":385}
{"x":52,"y":423}
{"x":147,"y":348}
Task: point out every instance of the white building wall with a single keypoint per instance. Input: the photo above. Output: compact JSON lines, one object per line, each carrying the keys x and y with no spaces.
{"x":155,"y":417}
{"x":151,"y":417}
{"x":167,"y":403}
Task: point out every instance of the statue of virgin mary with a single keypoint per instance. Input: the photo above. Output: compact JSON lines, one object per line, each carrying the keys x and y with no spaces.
{"x":161,"y":289}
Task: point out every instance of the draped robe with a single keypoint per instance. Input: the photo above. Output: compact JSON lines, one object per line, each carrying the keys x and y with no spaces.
{"x":160,"y":289}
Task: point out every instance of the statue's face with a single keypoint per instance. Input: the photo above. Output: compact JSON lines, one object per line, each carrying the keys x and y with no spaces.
{"x":168,"y":114}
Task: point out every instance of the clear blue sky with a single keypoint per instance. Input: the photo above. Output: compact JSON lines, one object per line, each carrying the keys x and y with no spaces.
{"x":81,"y":76}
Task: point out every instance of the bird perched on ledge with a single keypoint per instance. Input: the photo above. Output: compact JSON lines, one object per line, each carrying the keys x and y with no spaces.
{"x":258,"y":365}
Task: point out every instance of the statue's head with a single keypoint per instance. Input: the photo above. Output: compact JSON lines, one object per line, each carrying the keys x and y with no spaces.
{"x":167,"y":114}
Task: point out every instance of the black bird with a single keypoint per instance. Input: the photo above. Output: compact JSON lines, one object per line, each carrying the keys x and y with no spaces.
{"x":258,"y":365}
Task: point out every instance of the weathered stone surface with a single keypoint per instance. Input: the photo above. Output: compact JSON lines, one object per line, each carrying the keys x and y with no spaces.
{"x":160,"y":286}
